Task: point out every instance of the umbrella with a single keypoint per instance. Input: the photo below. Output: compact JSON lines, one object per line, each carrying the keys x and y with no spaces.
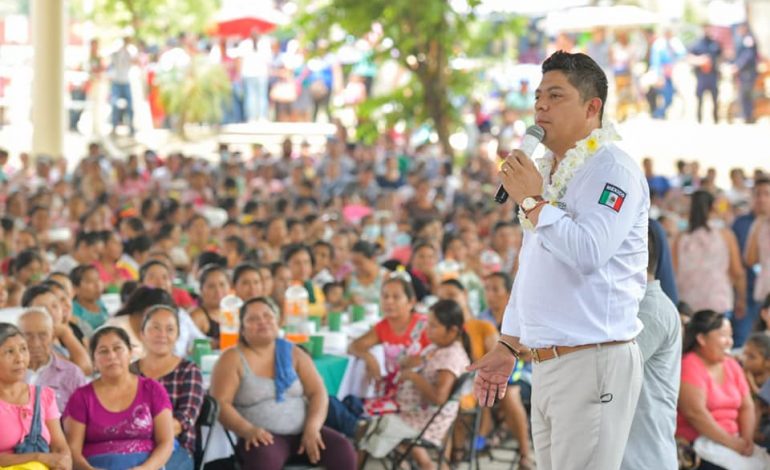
{"x":238,"y":18}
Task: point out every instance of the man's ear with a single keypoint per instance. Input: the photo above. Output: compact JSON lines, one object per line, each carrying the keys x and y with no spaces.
{"x":594,"y":107}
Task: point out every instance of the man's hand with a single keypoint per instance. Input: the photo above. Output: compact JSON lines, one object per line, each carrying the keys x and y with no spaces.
{"x":520,"y":176}
{"x":492,"y":373}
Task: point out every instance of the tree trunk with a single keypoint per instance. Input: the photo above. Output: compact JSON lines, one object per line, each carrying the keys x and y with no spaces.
{"x":436,"y":89}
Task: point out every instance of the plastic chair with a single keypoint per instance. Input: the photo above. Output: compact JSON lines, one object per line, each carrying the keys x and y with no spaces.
{"x":208,"y":417}
{"x":397,"y":457}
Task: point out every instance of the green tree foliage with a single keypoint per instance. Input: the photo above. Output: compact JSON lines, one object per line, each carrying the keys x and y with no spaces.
{"x":426,"y":36}
{"x":154,"y":20}
{"x":195,"y":94}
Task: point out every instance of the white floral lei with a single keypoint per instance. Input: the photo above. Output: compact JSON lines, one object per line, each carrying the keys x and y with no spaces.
{"x":573,"y":160}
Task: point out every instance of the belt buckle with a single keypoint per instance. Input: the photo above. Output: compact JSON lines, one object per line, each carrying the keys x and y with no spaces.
{"x":536,"y":355}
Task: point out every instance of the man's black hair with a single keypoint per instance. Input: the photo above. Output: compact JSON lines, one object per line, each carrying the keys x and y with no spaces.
{"x":582,"y":72}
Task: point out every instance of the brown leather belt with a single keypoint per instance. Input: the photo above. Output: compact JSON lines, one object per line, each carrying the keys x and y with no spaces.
{"x":546,"y":354}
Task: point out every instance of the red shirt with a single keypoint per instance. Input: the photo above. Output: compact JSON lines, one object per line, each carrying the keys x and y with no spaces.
{"x":722,"y":400}
{"x":410,"y":343}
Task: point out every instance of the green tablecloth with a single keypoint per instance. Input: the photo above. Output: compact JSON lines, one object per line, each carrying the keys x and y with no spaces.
{"x":332,"y":370}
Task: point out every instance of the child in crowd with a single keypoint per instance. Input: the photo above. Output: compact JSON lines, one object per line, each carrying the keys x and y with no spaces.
{"x":334,"y":293}
{"x":87,"y":304}
{"x":425,"y":383}
{"x":756,"y":360}
{"x":763,"y":322}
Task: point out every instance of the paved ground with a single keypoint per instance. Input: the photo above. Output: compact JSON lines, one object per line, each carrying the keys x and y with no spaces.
{"x":722,"y":146}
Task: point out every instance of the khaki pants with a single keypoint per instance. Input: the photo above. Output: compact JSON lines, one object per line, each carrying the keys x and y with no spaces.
{"x":582,"y":407}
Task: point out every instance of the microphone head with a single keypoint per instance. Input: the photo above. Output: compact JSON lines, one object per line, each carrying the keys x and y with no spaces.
{"x":536,"y":132}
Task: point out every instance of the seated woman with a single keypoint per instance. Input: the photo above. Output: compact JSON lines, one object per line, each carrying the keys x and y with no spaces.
{"x":87,"y":304}
{"x":365,"y":282}
{"x":130,"y":317}
{"x":159,"y":275}
{"x":426,"y":382}
{"x":247,"y":281}
{"x":120,"y":420}
{"x":272,"y":397}
{"x":111,"y":274}
{"x":17,"y":405}
{"x":299,"y":259}
{"x":181,"y":378}
{"x":214,"y":285}
{"x":62,"y":287}
{"x":401,"y":332}
{"x":714,"y":397}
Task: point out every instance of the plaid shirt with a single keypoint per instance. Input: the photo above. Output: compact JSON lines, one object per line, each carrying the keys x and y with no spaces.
{"x":184,"y":385}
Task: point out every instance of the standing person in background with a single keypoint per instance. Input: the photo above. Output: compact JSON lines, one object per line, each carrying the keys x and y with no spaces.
{"x":651,"y":443}
{"x":760,"y":208}
{"x":666,"y":51}
{"x":704,"y":56}
{"x":120,"y":72}
{"x":256,"y":57}
{"x":707,"y":262}
{"x":746,"y":61}
{"x":757,"y":253}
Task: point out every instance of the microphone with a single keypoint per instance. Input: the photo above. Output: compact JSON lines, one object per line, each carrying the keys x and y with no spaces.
{"x":532,"y":138}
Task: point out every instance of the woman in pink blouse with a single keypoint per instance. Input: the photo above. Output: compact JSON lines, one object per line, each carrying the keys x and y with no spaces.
{"x":714,"y":397}
{"x":17,"y":401}
{"x":120,"y":420}
{"x":707,"y":261}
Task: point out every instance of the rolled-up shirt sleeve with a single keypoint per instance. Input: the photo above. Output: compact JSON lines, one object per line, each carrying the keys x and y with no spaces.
{"x":607,"y":206}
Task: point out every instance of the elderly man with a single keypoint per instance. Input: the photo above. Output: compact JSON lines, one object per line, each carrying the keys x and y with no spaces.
{"x":45,"y":367}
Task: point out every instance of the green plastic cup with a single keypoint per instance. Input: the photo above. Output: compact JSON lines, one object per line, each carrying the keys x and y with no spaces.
{"x":359,"y":311}
{"x":316,"y":345}
{"x":201,"y":347}
{"x":317,"y":320}
{"x":335,"y":321}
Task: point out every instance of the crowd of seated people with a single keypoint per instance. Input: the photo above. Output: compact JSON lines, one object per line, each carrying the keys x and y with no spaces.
{"x":419,"y":232}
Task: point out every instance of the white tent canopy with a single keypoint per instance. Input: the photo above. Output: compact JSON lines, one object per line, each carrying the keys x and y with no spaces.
{"x":527,"y":7}
{"x":586,"y":18}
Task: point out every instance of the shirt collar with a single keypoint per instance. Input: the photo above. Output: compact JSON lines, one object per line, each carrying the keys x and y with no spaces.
{"x":51,"y":362}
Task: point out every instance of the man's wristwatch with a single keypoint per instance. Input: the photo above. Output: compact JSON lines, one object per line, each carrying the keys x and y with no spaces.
{"x":531,"y":203}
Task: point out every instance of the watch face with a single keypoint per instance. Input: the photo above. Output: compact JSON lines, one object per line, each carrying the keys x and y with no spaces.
{"x":528,"y":203}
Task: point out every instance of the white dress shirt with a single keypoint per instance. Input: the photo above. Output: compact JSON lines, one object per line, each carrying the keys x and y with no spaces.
{"x":582,"y":271}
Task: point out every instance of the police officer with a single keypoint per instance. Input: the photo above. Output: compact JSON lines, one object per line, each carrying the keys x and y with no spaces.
{"x":582,"y":274}
{"x":704,"y":56}
{"x":746,"y":66}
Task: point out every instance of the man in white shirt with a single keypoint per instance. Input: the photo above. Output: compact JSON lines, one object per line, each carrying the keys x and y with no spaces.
{"x":120,"y":72}
{"x":256,"y":57}
{"x":582,"y":274}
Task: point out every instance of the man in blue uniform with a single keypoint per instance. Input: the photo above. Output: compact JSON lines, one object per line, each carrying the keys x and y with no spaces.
{"x":746,"y":68}
{"x":705,"y":56}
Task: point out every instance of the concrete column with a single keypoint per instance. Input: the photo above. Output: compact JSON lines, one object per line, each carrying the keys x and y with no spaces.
{"x":48,"y":41}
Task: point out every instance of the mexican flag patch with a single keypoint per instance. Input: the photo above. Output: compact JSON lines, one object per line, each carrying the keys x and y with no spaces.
{"x":612,"y":197}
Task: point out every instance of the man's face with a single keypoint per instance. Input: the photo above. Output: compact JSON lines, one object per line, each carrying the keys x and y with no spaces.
{"x":561,"y":112}
{"x":39,"y":337}
{"x":762,"y":199}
